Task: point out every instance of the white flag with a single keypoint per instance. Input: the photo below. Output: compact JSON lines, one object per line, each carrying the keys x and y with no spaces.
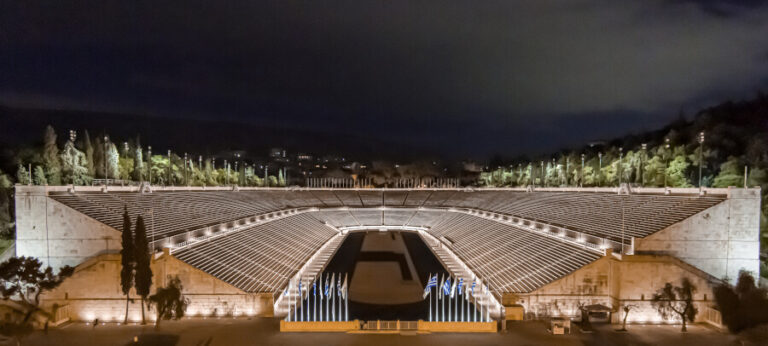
{"x":344,"y":288}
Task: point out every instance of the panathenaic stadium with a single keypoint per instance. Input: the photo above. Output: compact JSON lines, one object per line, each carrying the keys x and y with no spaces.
{"x":539,"y":252}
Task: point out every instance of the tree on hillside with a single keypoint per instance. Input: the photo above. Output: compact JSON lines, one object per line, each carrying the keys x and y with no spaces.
{"x":138,"y":164}
{"x":676,"y":301}
{"x":169,"y":302}
{"x":38,"y":176}
{"x":74,"y":170}
{"x":98,"y":157}
{"x":87,"y":147}
{"x":280,"y":178}
{"x":731,"y":174}
{"x":22,"y":175}
{"x":24,"y":278}
{"x":143,"y":276}
{"x":113,"y":162}
{"x":6,"y":222}
{"x":127,"y":260}
{"x":51,"y":157}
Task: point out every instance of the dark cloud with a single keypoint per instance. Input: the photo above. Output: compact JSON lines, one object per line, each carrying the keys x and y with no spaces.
{"x":462,"y":78}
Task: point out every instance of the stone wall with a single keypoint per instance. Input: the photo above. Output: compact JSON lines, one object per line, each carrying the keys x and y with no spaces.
{"x":56,"y":234}
{"x":614,"y":281}
{"x":94,"y":292}
{"x":721,"y":240}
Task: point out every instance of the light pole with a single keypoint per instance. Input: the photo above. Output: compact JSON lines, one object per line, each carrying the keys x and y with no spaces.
{"x":642,"y":161}
{"x":581,"y":180}
{"x":237,"y":156}
{"x":666,"y":154}
{"x":543,"y":182}
{"x":149,"y":163}
{"x":226,"y":165}
{"x":106,"y":148}
{"x":186,"y":179}
{"x":701,"y":155}
{"x":621,"y":157}
{"x":169,"y":167}
{"x":200,"y":162}
{"x":567,"y":165}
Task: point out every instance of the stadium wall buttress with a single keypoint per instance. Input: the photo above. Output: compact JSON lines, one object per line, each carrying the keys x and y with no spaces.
{"x":57,"y":234}
{"x":721,"y":240}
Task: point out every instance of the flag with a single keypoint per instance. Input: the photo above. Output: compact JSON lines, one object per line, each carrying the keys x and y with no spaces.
{"x":442,"y":282}
{"x":338,"y":287}
{"x":323,"y":289}
{"x":301,"y":295}
{"x":453,"y":288}
{"x":333,"y":285}
{"x":431,"y":282}
{"x":344,"y":287}
{"x":461,"y":285}
{"x":447,"y":287}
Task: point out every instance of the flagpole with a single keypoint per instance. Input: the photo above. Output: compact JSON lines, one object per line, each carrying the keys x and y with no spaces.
{"x":437,"y":294}
{"x":314,"y":300}
{"x":429,"y":277}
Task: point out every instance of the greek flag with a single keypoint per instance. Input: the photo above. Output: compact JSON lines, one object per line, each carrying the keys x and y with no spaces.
{"x":325,"y":294}
{"x":339,"y":288}
{"x":344,"y":287}
{"x":447,"y":287}
{"x":432,"y":282}
{"x":453,"y":288}
{"x":473,"y":287}
{"x":461,"y":284}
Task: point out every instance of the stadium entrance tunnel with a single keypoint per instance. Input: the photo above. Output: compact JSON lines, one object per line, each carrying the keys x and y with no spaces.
{"x":387,"y":274}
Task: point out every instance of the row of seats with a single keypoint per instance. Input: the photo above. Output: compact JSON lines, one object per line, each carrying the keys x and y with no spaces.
{"x":600,"y":214}
{"x":261,"y":258}
{"x":510,"y":259}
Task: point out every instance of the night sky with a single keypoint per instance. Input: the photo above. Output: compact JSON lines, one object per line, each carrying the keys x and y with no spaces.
{"x":452,"y":78}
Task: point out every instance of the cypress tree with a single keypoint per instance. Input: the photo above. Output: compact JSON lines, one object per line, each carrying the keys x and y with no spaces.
{"x":143,"y":277}
{"x":127,"y":260}
{"x":88,"y":148}
{"x":38,"y":176}
{"x":51,"y":157}
{"x":22,"y":175}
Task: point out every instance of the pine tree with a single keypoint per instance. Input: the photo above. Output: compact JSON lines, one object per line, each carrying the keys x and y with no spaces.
{"x":127,"y":260}
{"x":51,"y":157}
{"x":143,"y":276}
{"x":22,"y":176}
{"x":39,"y":176}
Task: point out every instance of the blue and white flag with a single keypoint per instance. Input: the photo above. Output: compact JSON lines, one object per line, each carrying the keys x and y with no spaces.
{"x":338,"y":286}
{"x":461,"y":285}
{"x":442,"y":282}
{"x":333,"y":285}
{"x":432,"y":282}
{"x":453,"y":288}
{"x":473,"y":286}
{"x":325,"y":292}
{"x":447,"y":287}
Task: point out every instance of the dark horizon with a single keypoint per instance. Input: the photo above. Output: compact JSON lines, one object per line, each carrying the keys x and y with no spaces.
{"x":451,"y":79}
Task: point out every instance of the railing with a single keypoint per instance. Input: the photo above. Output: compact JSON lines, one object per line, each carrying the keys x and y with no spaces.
{"x":712,"y":317}
{"x":391,"y":325}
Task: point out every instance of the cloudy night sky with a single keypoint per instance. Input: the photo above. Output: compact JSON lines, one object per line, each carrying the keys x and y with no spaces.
{"x":450,"y":78}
